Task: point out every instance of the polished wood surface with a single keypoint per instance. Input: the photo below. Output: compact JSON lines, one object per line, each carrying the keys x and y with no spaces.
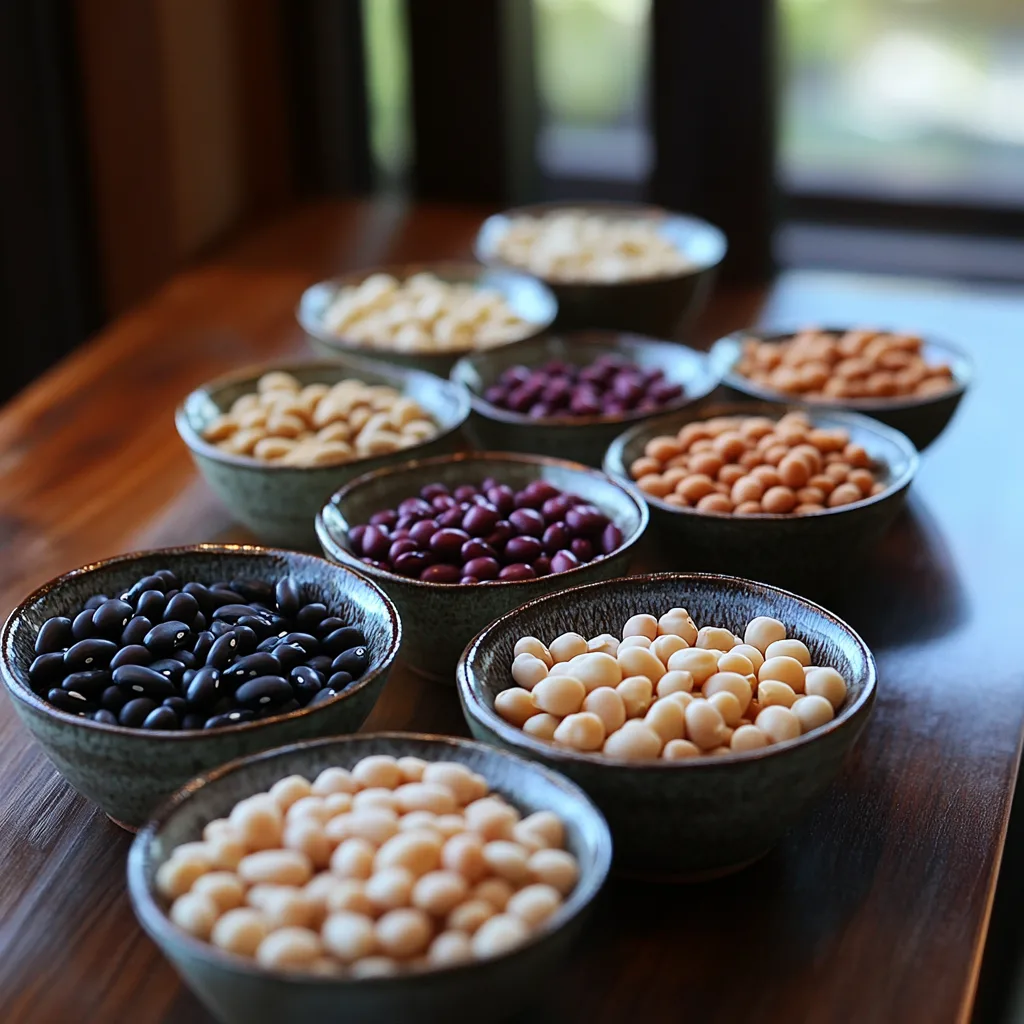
{"x":874,"y":908}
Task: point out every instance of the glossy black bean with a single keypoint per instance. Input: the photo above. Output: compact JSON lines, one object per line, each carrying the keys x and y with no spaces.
{"x":259,"y":627}
{"x":138,"y":679}
{"x":111,"y":617}
{"x":113,"y":698}
{"x":199,"y":622}
{"x":169,"y":577}
{"x":90,"y":684}
{"x":133,"y":654}
{"x":181,"y":608}
{"x":193,"y":720}
{"x":89,"y":654}
{"x":270,"y":643}
{"x":339,"y":680}
{"x":309,"y":616}
{"x":82,"y":627}
{"x":218,"y":629}
{"x":140,"y":587}
{"x":134,"y":713}
{"x":288,"y":656}
{"x":329,"y":625}
{"x":161,"y":718}
{"x":169,"y":667}
{"x":151,"y":603}
{"x":95,"y":601}
{"x":323,"y":696}
{"x":272,"y":710}
{"x":54,"y":635}
{"x":67,"y":700}
{"x":320,"y":664}
{"x":187,"y":658}
{"x":105,"y":717}
{"x":167,"y":637}
{"x":201,"y":594}
{"x":223,"y":651}
{"x":342,"y":639}
{"x":47,"y":669}
{"x":233,"y":612}
{"x":259,"y":663}
{"x":136,"y":630}
{"x":204,"y":689}
{"x":306,"y":672}
{"x":288,"y":596}
{"x":204,"y":641}
{"x":186,"y":677}
{"x":253,"y":589}
{"x":263,"y":690}
{"x":224,"y":595}
{"x":355,"y":661}
{"x":306,"y":641}
{"x":229,"y":718}
{"x":177,"y":704}
{"x":306,"y":683}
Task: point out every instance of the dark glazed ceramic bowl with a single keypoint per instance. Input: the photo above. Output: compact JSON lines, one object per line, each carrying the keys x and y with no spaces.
{"x":584,"y":439}
{"x":661,"y":307}
{"x":694,"y":818}
{"x":440,"y":618}
{"x":278,"y":503}
{"x":781,"y":549}
{"x":129,"y":771}
{"x":921,"y":419}
{"x":528,"y":298}
{"x":235,"y":990}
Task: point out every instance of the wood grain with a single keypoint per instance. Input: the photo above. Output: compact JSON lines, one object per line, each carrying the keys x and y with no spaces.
{"x":874,"y":908}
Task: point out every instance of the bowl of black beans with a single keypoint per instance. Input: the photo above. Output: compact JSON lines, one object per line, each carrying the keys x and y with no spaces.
{"x":458,"y":540}
{"x":136,"y":673}
{"x":571,"y":395}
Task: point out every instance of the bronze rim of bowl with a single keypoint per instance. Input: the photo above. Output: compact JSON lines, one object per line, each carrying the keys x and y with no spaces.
{"x":335,"y":549}
{"x":396,"y":375}
{"x":615,"y":463}
{"x":470,"y":689}
{"x":726,"y":351}
{"x":593,"y":339}
{"x":147,"y":907}
{"x":28,"y":696}
{"x":484,"y":250}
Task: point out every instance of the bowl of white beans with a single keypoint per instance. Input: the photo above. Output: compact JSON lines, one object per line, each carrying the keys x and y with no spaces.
{"x":613,"y":265}
{"x":370,"y":878}
{"x":424,"y":315}
{"x":703,"y":714}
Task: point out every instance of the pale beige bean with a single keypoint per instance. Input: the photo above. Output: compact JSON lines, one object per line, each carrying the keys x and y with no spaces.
{"x":412,"y":768}
{"x":771,"y":692}
{"x":637,"y":694}
{"x":440,"y":892}
{"x":335,"y":780}
{"x":680,"y":750}
{"x":785,"y":670}
{"x":349,"y":937}
{"x":581,"y":731}
{"x":240,"y":931}
{"x":813,"y":711}
{"x":449,"y":949}
{"x":731,"y":682}
{"x":561,"y":695}
{"x":567,"y":646}
{"x":762,"y":631}
{"x":557,"y":868}
{"x":378,"y":770}
{"x":419,"y":851}
{"x":531,"y":645}
{"x":404,"y":933}
{"x":195,"y":913}
{"x":827,"y":683}
{"x":788,"y":649}
{"x":595,"y":669}
{"x":667,"y":719}
{"x":704,"y":724}
{"x":778,"y":723}
{"x":699,"y":662}
{"x":469,"y":916}
{"x":635,"y":741}
{"x":542,"y":726}
{"x":608,"y":705}
{"x":390,"y":888}
{"x":498,"y":935}
{"x":728,"y":706}
{"x":747,"y":737}
{"x":528,"y":670}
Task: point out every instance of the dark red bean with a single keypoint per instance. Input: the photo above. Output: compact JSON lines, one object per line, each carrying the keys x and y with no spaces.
{"x":386,"y":517}
{"x":414,"y":507}
{"x":522,"y":499}
{"x":563,"y":561}
{"x":412,"y":563}
{"x":464,"y":492}
{"x":451,"y":519}
{"x":443,"y":502}
{"x":503,"y":530}
{"x":447,"y":543}
{"x":355,"y":537}
{"x":554,"y":509}
{"x":502,"y":497}
{"x":467,"y":580}
{"x":375,"y":543}
{"x":423,"y":531}
{"x":556,"y":537}
{"x":431,"y":491}
{"x":585,"y":519}
{"x":386,"y":566}
{"x":522,"y":549}
{"x":611,"y":538}
{"x":480,"y":520}
{"x":482,"y":568}
{"x":542,"y":490}
{"x":517,"y":571}
{"x":400,"y":547}
{"x":476,"y":548}
{"x":441,"y":574}
{"x":528,"y":522}
{"x":541,"y":565}
{"x":582,"y":549}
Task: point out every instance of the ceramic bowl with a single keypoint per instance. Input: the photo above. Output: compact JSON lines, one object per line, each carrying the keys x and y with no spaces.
{"x":781,"y":549}
{"x":584,"y":439}
{"x":681,"y":819}
{"x":921,"y":419}
{"x":236,"y":990}
{"x":279,"y":503}
{"x":439,"y":619}
{"x":661,"y":307}
{"x":528,"y":298}
{"x":128,"y":772}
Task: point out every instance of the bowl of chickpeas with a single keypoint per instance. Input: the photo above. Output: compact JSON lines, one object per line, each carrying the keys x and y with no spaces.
{"x":424,"y":316}
{"x":912,"y":383}
{"x":780,"y":493}
{"x":626,"y":266}
{"x":370,"y":878}
{"x":273,"y":441}
{"x":703,"y":714}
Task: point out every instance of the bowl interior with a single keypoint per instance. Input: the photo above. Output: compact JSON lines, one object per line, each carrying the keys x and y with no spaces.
{"x":357,"y":599}
{"x":528,"y":786}
{"x":681,"y":365}
{"x":355,"y":503}
{"x":485,"y":668}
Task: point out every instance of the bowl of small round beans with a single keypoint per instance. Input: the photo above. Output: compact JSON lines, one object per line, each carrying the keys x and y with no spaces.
{"x":778,"y":493}
{"x":371,"y":878}
{"x":458,"y":540}
{"x":611,"y":265}
{"x":273,"y":441}
{"x":137,"y":672}
{"x":701,"y":713}
{"x":912,"y":383}
{"x":424,"y":316}
{"x":570,"y":395}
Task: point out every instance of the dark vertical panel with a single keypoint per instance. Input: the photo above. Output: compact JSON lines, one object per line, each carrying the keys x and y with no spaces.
{"x":713,"y":114}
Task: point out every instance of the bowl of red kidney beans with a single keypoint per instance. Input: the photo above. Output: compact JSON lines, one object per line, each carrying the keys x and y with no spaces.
{"x":570,"y":395}
{"x":456,"y":541}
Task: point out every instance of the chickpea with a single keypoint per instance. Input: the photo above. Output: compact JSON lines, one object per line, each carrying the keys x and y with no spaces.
{"x":635,"y":741}
{"x":531,"y":645}
{"x":789,"y":649}
{"x":636,"y":661}
{"x":677,"y":622}
{"x":699,"y":662}
{"x":680,"y":750}
{"x":641,"y":625}
{"x":561,"y":695}
{"x":771,"y":692}
{"x":728,"y":706}
{"x":751,"y":653}
{"x":567,"y":646}
{"x":785,"y":670}
{"x":813,"y":711}
{"x":240,"y":931}
{"x":682,"y":698}
{"x":581,"y":731}
{"x":715,"y":639}
{"x":747,"y":737}
{"x":667,"y":719}
{"x":635,"y":641}
{"x":515,"y":705}
{"x":704,"y":724}
{"x":528,"y":670}
{"x":738,"y":663}
{"x":778,"y":723}
{"x":594,"y":670}
{"x":827,"y":683}
{"x":636,"y":693}
{"x":542,"y":726}
{"x":762,"y":631}
{"x":666,"y":645}
{"x":604,"y":643}
{"x":676,"y":681}
{"x":195,"y":913}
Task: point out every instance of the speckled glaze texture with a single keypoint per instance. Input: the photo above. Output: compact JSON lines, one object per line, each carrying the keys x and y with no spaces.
{"x":529,"y":298}
{"x":584,"y":440}
{"x":235,"y":991}
{"x":685,"y":819}
{"x":920,"y":419}
{"x":660,"y":307}
{"x":784,"y":550}
{"x":439,"y":619}
{"x":129,"y":771}
{"x":279,"y":503}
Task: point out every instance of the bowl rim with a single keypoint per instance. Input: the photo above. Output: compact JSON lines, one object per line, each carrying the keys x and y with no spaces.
{"x":334,"y":550}
{"x":398,"y":375}
{"x":591,"y":338}
{"x":17,"y":689}
{"x":615,"y":464}
{"x":459,"y":270}
{"x":471,"y":688}
{"x":156,"y":922}
{"x":647,"y":211}
{"x":725,"y":353}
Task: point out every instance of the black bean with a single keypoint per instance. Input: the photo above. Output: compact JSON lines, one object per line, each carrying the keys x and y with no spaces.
{"x":134,"y":713}
{"x":104,"y":716}
{"x":202,"y":595}
{"x":187,"y":658}
{"x":289,"y":655}
{"x":329,"y":625}
{"x":152,"y":604}
{"x":204,"y":641}
{"x":111,"y":617}
{"x":280,"y":625}
{"x":68,"y":701}
{"x":169,"y":577}
{"x":144,"y":681}
{"x":54,"y":635}
{"x":311,"y":615}
{"x":342,"y":639}
{"x":355,"y":661}
{"x":321,"y":664}
{"x":47,"y":669}
{"x":178,"y":704}
{"x":146,"y":583}
{"x":187,"y":676}
{"x":167,"y":637}
{"x":82,"y":627}
{"x":263,"y":690}
{"x":133,"y":654}
{"x":193,"y":720}
{"x":249,"y":667}
{"x":222,"y":706}
{"x":257,"y":626}
{"x":223,"y":651}
{"x":306,"y":641}
{"x":339,"y":680}
{"x":233,"y":612}
{"x":220,"y":628}
{"x":229,"y":718}
{"x":181,"y":608}
{"x":270,"y":710}
{"x":169,"y":667}
{"x":113,"y":698}
{"x":198,"y":622}
{"x":253,"y":590}
{"x":225,"y":596}
{"x":269,"y":644}
{"x":204,"y":689}
{"x":306,"y":683}
{"x":288,"y":596}
{"x":246,"y":637}
{"x":161,"y":718}
{"x":90,"y":684}
{"x":136,"y":630}
{"x":89,"y":654}
{"x":95,"y":601}
{"x":323,"y":696}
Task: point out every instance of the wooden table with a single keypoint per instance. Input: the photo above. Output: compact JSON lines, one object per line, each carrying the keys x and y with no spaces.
{"x":874,"y":908}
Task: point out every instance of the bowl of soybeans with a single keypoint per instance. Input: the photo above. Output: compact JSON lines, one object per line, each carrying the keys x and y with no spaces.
{"x":701,"y":713}
{"x":779,"y":493}
{"x":910,"y":382}
{"x":380,"y":877}
{"x":273,"y":441}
